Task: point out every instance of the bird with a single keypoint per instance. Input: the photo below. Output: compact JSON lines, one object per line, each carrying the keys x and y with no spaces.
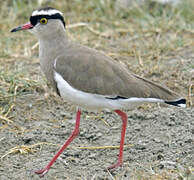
{"x":89,"y":79}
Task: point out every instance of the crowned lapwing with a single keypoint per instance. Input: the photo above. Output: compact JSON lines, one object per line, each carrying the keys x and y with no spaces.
{"x":88,"y":78}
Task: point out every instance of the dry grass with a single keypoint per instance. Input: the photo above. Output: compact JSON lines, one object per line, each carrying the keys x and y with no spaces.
{"x":153,"y":41}
{"x":23,"y":149}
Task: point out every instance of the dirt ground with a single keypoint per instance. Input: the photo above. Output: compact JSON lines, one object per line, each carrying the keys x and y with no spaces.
{"x":159,"y":140}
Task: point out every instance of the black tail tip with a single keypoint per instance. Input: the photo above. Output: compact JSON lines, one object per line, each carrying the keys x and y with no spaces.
{"x":179,"y":102}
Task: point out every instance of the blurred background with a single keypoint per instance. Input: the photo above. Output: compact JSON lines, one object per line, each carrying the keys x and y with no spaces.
{"x":153,"y":38}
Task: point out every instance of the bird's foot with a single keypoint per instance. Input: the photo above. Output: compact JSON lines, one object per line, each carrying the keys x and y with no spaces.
{"x":114,"y":166}
{"x":41,"y":172}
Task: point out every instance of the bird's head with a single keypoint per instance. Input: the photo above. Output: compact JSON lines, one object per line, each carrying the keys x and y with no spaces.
{"x":44,"y":22}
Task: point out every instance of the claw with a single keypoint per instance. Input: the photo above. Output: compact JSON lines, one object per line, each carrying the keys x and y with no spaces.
{"x":41,"y":172}
{"x":114,"y":166}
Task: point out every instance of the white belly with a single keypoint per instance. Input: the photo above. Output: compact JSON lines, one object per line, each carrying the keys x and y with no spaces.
{"x":94,"y":101}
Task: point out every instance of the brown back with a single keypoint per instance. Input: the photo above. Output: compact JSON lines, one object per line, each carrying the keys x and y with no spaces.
{"x":91,"y":71}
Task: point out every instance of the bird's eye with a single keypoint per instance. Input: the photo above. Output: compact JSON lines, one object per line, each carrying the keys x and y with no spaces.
{"x":43,"y":21}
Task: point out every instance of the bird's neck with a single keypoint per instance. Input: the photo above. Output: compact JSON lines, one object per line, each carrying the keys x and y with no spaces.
{"x":51,"y":46}
{"x":49,"y":49}
{"x":54,"y":39}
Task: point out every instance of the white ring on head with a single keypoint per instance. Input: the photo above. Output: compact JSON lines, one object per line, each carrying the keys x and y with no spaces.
{"x":46,"y":12}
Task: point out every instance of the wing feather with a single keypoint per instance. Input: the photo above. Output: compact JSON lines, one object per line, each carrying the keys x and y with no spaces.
{"x":91,"y":71}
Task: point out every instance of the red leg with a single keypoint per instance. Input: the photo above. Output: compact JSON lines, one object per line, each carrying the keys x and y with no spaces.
{"x":120,"y":158}
{"x":75,"y":132}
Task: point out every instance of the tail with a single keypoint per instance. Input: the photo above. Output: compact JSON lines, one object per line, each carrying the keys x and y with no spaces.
{"x":179,"y":102}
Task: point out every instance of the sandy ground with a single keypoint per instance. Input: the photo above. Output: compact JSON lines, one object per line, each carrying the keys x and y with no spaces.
{"x":160,"y":140}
